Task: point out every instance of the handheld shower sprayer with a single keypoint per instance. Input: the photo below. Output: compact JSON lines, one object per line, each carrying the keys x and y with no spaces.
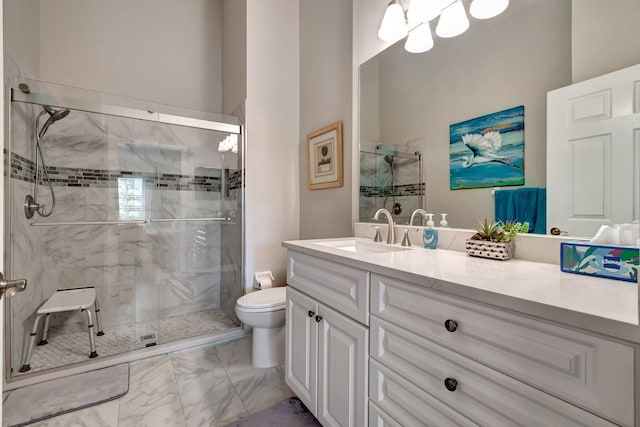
{"x":31,"y":204}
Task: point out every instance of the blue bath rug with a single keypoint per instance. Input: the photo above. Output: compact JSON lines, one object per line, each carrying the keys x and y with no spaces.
{"x":56,"y":397}
{"x":290,"y":412}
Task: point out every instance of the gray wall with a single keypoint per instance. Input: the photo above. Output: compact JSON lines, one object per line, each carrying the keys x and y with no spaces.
{"x":234,"y":54}
{"x":21,"y":38}
{"x":508,"y":61}
{"x":272,"y":117}
{"x":157,"y":50}
{"x":325,"y":97}
{"x":605,"y":36}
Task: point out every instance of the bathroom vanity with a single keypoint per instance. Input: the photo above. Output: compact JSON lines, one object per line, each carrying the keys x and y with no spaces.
{"x":382,"y":335}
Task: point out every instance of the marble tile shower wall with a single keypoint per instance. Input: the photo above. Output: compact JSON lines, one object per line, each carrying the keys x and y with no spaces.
{"x":142,"y":272}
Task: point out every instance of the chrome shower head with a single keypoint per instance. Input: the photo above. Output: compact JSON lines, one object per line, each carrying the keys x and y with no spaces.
{"x":54,"y":116}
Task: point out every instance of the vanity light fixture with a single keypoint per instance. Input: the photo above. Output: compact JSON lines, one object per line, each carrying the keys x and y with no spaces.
{"x":423,"y":11}
{"x":420,"y":39}
{"x":453,"y":21}
{"x":394,"y":22}
{"x":485,"y":9}
{"x":414,"y":22}
{"x":229,"y":143}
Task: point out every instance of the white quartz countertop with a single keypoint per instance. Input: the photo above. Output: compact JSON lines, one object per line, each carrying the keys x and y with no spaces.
{"x":534,"y":288}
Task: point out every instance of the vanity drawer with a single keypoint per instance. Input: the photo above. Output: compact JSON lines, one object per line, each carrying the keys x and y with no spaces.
{"x":379,"y":418}
{"x":342,"y":288}
{"x":591,"y":372}
{"x":480,"y":393}
{"x":406,"y":403}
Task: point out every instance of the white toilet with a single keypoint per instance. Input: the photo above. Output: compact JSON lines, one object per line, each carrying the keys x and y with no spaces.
{"x":264,"y":310}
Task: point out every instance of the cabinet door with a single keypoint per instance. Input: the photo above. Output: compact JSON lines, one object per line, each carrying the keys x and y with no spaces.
{"x":301,"y":347}
{"x":343,"y":352}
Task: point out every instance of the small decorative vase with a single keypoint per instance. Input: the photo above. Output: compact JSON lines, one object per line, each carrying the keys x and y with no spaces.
{"x":491,"y":250}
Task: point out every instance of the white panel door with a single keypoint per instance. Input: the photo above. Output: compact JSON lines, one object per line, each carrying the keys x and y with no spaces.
{"x":301,"y":347}
{"x":342,"y":370}
{"x":593,"y":153}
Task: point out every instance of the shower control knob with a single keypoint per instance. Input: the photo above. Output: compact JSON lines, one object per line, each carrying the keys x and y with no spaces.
{"x":311,"y":313}
{"x":451,"y":325}
{"x":11,"y":287}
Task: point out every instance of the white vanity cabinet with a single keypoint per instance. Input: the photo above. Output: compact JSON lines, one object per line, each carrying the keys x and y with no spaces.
{"x":429,"y":358}
{"x":326,"y":350}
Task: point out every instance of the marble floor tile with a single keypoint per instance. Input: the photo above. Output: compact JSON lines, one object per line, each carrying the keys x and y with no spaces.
{"x":264,"y":388}
{"x":257,"y":388}
{"x":207,"y":395}
{"x":201,"y":387}
{"x":105,"y":415}
{"x":153,"y":398}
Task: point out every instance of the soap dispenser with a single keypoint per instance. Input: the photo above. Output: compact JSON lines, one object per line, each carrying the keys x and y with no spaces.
{"x":430,"y":234}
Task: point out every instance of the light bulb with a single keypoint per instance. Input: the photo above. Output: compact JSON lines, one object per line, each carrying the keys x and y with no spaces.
{"x":422,"y":11}
{"x":485,"y":9}
{"x":453,"y":21}
{"x":393,"y":25}
{"x":420,"y":39}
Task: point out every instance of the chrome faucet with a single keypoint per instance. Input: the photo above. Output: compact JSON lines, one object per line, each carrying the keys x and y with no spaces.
{"x":391,"y":239}
{"x":417,"y":211}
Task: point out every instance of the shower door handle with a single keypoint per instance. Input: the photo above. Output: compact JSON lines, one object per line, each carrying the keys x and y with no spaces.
{"x":11,"y":287}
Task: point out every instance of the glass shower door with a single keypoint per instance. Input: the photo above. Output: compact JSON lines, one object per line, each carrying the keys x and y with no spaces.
{"x":94,"y":237}
{"x":190,"y":213}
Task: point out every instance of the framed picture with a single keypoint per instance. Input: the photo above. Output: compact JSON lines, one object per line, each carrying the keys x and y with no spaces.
{"x":324,"y":148}
{"x":487,"y":151}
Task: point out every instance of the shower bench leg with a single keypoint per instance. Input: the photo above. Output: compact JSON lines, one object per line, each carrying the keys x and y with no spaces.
{"x":92,"y":339}
{"x":26,"y":361}
{"x":45,"y":332}
{"x":98,"y":323}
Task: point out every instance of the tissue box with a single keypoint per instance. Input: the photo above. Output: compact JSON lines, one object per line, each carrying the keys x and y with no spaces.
{"x":608,"y":261}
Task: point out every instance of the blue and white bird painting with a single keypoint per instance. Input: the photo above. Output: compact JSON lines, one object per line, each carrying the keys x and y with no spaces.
{"x":488,"y":151}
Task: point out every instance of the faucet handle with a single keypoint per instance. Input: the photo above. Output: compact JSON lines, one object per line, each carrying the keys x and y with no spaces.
{"x":405,"y":239}
{"x":378,"y":237}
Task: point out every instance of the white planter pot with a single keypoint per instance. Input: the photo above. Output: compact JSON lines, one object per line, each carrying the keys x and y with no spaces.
{"x":491,"y":250}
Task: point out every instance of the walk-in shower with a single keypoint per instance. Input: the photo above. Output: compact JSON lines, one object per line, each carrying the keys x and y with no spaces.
{"x":148,"y":212}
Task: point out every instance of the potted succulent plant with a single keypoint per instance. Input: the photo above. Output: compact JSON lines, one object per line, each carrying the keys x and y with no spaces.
{"x":495,"y":240}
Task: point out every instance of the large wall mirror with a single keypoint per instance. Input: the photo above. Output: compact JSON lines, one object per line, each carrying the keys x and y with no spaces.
{"x":408,"y":102}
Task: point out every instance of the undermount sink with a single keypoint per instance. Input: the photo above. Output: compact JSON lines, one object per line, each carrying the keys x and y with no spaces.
{"x":360,"y":247}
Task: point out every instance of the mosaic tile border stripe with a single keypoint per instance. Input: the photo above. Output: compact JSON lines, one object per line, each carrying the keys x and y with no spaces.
{"x":235,"y":179}
{"x":396,"y":190}
{"x":24,"y":170}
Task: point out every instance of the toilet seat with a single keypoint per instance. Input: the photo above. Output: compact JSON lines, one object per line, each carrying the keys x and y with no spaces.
{"x":271,"y":299}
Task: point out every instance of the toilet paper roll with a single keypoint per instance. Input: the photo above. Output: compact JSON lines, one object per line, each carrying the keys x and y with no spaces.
{"x":263,"y":279}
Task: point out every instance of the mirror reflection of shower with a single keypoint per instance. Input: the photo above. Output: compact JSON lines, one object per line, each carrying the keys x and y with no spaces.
{"x":391,"y":177}
{"x":31,"y":203}
{"x":396,"y":207}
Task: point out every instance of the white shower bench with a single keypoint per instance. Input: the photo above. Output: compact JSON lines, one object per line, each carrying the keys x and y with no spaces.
{"x":64,"y":300}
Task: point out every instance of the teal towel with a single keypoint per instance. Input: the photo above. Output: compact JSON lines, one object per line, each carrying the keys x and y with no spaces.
{"x":523,"y":205}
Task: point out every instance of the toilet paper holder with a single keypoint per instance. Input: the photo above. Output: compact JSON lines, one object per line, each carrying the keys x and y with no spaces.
{"x":263,"y":279}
